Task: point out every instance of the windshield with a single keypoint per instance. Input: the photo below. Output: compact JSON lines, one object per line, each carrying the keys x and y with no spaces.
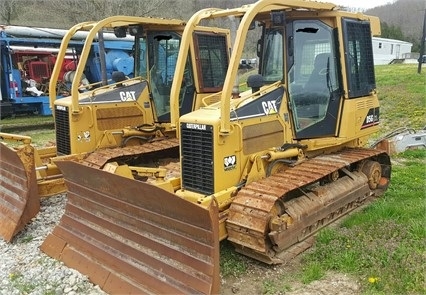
{"x":141,"y":63}
{"x":163,"y":49}
{"x":313,"y":74}
{"x":272,"y":67}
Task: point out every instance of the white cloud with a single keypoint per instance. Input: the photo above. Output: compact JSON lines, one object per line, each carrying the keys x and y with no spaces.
{"x":364,"y":4}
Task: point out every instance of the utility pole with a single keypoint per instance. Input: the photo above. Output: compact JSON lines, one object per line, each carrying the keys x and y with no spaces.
{"x":422,"y":45}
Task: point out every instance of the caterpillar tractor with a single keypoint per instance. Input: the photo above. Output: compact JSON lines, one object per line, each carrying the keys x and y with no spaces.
{"x":264,"y":168}
{"x":123,"y":118}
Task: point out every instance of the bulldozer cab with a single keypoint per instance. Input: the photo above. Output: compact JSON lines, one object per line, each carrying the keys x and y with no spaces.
{"x":97,"y":115}
{"x":315,"y":76}
{"x":200,"y":70}
{"x":155,"y":54}
{"x":94,"y":116}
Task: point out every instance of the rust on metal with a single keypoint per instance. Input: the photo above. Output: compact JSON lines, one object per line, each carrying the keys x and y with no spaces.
{"x":19,"y":199}
{"x":22,"y":186}
{"x":50,"y":186}
{"x":274,"y":214}
{"x":100,"y":157}
{"x":132,"y":237}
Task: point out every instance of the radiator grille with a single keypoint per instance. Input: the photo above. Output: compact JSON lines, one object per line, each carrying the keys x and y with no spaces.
{"x":38,"y":70}
{"x":364,"y":104}
{"x":117,"y":117}
{"x":197,"y":158}
{"x":62,"y":131}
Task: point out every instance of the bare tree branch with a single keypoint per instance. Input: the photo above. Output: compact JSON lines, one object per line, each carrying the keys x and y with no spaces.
{"x":9,"y":11}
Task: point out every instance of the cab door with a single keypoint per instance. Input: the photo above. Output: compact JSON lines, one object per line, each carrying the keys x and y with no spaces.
{"x":314,"y":83}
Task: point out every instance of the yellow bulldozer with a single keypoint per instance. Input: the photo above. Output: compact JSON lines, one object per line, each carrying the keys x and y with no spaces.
{"x":264,"y":168}
{"x":121,"y":118}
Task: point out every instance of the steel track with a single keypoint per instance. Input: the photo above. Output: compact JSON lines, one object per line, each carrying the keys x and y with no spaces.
{"x":271,"y":217}
{"x":99,"y":158}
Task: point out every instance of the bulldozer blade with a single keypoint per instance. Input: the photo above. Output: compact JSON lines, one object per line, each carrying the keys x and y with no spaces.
{"x":130,"y":237}
{"x":19,"y":199}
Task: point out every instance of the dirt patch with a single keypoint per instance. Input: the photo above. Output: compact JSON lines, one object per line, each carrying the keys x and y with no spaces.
{"x":282,"y":279}
{"x":331,"y":284}
{"x":286,"y":279}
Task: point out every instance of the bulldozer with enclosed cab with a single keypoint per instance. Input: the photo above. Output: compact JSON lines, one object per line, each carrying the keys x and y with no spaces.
{"x":264,"y":168}
{"x":121,"y":118}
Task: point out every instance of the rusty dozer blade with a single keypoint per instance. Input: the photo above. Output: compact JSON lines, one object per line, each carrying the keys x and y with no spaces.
{"x":19,"y":199}
{"x":130,"y":237}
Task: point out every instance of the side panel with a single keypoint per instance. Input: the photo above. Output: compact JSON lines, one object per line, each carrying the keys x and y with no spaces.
{"x":105,"y":111}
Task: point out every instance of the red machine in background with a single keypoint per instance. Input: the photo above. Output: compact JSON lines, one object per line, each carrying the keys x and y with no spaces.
{"x":27,"y":59}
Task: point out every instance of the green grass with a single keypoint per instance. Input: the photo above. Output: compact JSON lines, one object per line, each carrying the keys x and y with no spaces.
{"x":384,"y":245}
{"x":402,"y":95}
{"x":231,"y":263}
{"x":19,"y":282}
{"x":25,"y":120}
{"x":39,"y":138}
{"x":43,"y":138}
{"x":314,"y":272}
{"x":270,"y":287}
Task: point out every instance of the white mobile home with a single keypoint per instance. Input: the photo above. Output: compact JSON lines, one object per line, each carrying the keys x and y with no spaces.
{"x":387,"y":50}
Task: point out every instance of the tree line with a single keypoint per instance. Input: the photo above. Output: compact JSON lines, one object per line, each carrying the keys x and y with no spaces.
{"x":402,"y":20}
{"x":63,"y":14}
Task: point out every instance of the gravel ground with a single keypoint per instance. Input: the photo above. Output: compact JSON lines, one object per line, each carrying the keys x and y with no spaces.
{"x":24,"y":269}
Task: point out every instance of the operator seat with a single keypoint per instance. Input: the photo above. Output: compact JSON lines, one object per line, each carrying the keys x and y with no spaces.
{"x":118,"y":76}
{"x":318,"y":79}
{"x":313,"y":101}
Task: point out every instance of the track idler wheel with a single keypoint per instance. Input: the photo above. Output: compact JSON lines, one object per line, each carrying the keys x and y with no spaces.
{"x":373,"y":171}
